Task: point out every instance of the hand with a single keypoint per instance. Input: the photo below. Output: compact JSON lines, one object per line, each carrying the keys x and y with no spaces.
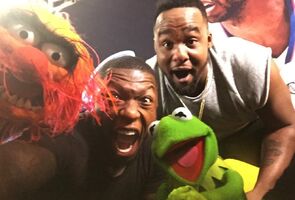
{"x":254,"y":195}
{"x":185,"y":193}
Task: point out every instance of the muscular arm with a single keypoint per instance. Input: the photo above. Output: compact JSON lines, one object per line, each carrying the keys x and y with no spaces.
{"x":23,"y":168}
{"x":279,"y":145}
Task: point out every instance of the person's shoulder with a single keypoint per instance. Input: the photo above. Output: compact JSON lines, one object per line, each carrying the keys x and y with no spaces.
{"x":246,"y":66}
{"x":237,"y":44}
{"x":152,"y":61}
{"x":241,"y":52}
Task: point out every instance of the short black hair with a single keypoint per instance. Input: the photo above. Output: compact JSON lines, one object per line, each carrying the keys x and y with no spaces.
{"x":164,"y":5}
{"x":126,"y":62}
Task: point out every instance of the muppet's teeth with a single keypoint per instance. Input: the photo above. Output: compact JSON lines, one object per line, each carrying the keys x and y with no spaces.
{"x":12,"y":99}
{"x":28,"y":104}
{"x":23,"y":103}
{"x":18,"y":101}
{"x":36,"y":108}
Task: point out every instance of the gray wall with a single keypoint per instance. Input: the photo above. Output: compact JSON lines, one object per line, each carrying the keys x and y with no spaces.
{"x":114,"y":25}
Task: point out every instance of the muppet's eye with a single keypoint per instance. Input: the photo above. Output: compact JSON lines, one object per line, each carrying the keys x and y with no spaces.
{"x":152,"y":128}
{"x":24,"y":33}
{"x":182,"y":113}
{"x":58,"y":55}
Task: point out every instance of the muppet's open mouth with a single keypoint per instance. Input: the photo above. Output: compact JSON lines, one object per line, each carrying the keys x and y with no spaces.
{"x":186,"y":158}
{"x":27,"y":95}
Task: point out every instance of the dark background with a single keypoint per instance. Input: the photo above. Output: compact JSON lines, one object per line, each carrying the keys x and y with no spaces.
{"x":110,"y":26}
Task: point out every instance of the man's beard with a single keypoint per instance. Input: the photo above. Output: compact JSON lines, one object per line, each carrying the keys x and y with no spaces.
{"x":187,"y":90}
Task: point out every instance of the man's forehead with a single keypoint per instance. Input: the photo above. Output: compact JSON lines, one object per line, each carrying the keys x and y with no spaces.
{"x":188,"y":19}
{"x":135,"y":86}
{"x":131,"y":75}
{"x":184,"y":28}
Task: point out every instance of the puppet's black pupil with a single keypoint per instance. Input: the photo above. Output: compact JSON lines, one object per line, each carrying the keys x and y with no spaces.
{"x":180,"y":114}
{"x":24,"y":34}
{"x":152,"y":128}
{"x":55,"y":56}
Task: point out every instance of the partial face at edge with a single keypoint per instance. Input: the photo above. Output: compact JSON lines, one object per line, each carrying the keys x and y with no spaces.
{"x":181,"y":41}
{"x":135,"y":94}
{"x":221,"y":10}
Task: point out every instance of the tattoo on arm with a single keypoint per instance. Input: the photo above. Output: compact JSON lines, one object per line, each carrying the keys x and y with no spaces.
{"x":272,"y":149}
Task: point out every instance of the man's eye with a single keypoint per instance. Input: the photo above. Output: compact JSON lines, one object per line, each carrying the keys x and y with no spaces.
{"x":191,"y":42}
{"x":118,"y":100}
{"x":115,"y":95}
{"x":167,"y":45}
{"x":146,"y":100}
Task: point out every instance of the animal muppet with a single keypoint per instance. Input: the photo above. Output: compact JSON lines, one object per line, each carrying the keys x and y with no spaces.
{"x":44,"y":68}
{"x":186,"y":149}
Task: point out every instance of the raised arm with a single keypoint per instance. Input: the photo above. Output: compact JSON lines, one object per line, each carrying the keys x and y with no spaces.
{"x":279,"y":144}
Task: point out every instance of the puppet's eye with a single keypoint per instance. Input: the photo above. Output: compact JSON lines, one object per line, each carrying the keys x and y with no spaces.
{"x":57,"y":55}
{"x":25,"y":33}
{"x":152,"y":128}
{"x":182,"y":113}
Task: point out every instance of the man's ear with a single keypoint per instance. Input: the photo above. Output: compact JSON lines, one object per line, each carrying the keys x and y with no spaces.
{"x":210,"y":40}
{"x":154,"y":41}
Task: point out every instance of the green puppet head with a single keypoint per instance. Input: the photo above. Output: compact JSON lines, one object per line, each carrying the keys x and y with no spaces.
{"x":184,"y":146}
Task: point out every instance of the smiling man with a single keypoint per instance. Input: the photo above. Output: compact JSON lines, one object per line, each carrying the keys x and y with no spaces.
{"x":219,"y":10}
{"x":120,"y":164}
{"x":270,"y":23}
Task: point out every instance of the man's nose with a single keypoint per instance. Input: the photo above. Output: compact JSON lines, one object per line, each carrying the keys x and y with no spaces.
{"x":130,"y":110}
{"x":180,"y":53}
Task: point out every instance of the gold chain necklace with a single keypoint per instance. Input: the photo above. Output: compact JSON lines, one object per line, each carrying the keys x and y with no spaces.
{"x":201,"y":111}
{"x":202,"y":105}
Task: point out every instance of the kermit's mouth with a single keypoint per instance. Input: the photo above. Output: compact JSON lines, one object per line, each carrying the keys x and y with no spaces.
{"x":186,"y":158}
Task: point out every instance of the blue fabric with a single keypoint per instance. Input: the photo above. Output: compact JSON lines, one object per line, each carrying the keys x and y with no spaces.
{"x":291,"y":11}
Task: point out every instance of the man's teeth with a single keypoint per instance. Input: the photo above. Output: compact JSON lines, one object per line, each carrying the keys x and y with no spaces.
{"x":209,"y":7}
{"x":126,"y":150}
{"x":126,"y":139}
{"x":127,"y":133}
{"x":17,"y":101}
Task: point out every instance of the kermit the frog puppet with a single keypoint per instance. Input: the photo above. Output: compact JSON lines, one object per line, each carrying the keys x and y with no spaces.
{"x":186,"y":149}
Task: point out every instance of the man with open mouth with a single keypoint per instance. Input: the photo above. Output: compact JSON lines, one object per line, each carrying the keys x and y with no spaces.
{"x":252,"y":20}
{"x":120,"y":164}
{"x":231,"y":87}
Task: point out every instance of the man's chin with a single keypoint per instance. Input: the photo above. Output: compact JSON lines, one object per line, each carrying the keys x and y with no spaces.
{"x":186,"y":90}
{"x":182,"y":88}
